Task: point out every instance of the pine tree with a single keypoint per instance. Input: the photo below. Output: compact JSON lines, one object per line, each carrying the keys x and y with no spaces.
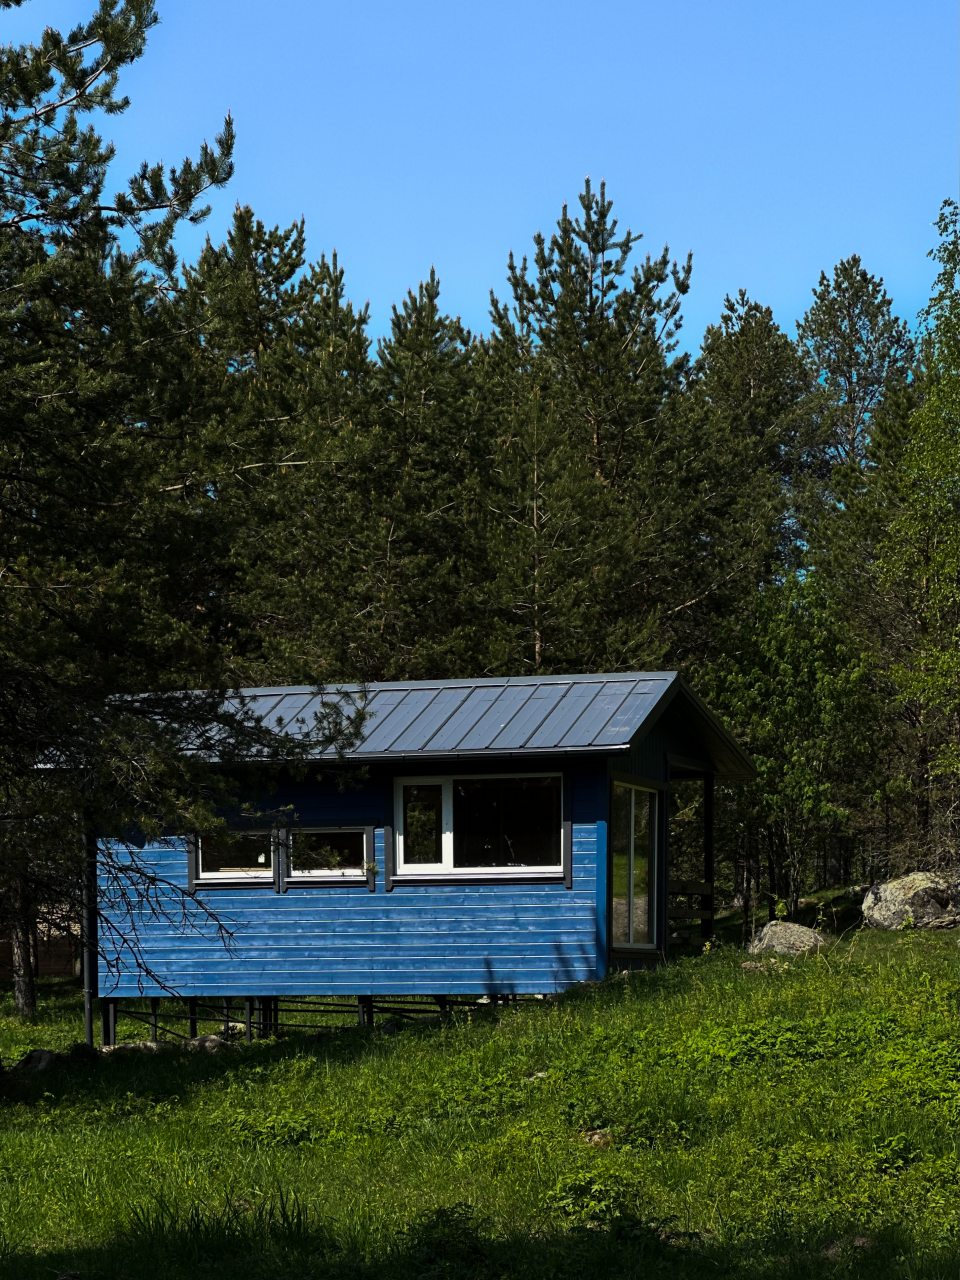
{"x":582,"y":456}
{"x":918,"y":570}
{"x":859,"y":355}
{"x":106,"y":615}
{"x":868,"y":384}
{"x":742,"y":419}
{"x":424,"y":550}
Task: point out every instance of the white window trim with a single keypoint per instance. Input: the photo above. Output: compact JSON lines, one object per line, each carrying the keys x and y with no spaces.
{"x":317,"y":877}
{"x":445,"y":868}
{"x":257,"y":877}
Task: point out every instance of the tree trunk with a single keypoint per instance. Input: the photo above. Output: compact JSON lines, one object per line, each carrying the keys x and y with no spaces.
{"x":24,"y":982}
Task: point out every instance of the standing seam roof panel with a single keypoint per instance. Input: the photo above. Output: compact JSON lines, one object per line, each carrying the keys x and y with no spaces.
{"x":528,"y":718}
{"x":381,"y":705}
{"x":560,"y":721}
{"x":397,"y":722}
{"x":634,"y":709}
{"x":423,"y":727}
{"x":292,"y":708}
{"x":496,"y":717}
{"x":598,"y":713}
{"x":470,"y":711}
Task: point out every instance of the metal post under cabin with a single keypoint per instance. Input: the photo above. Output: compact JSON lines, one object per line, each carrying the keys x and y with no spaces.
{"x":192,"y":1017}
{"x":226,"y":1017}
{"x":365,"y":1011}
{"x":708,"y":899}
{"x":443,"y":1005}
{"x":108,"y":1022}
{"x":88,"y":924}
{"x":248,"y":1020}
{"x":154,"y":1011}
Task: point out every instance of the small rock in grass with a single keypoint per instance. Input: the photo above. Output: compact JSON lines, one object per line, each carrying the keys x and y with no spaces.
{"x":597,"y":1137}
{"x":126,"y":1047}
{"x":37,"y":1060}
{"x":207,"y":1044}
{"x":784,"y":938}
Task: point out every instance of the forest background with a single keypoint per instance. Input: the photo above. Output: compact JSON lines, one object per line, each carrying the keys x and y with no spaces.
{"x":211,"y":476}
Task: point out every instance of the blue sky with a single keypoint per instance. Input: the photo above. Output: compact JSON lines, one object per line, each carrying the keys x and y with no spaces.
{"x":770,"y":138}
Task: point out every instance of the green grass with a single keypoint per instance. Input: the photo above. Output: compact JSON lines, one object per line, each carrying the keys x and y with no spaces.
{"x":699,"y":1120}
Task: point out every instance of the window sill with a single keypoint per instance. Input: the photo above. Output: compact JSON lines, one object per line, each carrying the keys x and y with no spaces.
{"x":493,"y":876}
{"x":304,"y":881}
{"x":234,"y":882}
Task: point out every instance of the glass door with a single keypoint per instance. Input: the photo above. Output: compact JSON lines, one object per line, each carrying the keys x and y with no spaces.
{"x":633,"y":849}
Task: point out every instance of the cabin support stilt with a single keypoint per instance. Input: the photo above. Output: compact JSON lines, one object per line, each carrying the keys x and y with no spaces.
{"x":89,"y":930}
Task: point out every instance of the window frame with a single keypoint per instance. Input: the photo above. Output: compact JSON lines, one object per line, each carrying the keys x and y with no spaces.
{"x":235,"y":878}
{"x":279,"y":878}
{"x":445,"y":871}
{"x":349,"y":875}
{"x":658,"y":793}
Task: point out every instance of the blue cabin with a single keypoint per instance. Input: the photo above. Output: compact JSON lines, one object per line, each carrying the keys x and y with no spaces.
{"x":484,"y":837}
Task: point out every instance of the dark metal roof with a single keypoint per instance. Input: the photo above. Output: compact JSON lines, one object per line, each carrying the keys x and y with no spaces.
{"x":541,"y":715}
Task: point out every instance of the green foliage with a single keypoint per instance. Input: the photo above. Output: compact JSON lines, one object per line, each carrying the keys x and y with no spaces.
{"x":919,"y":558}
{"x":576,"y":375}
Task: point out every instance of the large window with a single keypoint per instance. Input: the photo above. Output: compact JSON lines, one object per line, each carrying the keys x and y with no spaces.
{"x":477,"y":825}
{"x":633,"y":860}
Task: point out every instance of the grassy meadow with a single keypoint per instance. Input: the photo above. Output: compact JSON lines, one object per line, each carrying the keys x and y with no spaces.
{"x":787,"y":1119}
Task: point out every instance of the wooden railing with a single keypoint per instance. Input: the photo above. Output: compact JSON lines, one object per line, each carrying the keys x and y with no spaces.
{"x":690,"y":909}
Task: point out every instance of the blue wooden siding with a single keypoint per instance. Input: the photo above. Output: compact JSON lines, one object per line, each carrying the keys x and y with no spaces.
{"x":438,"y":938}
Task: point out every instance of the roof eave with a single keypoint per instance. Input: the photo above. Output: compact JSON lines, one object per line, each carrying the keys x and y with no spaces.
{"x":738,"y":766}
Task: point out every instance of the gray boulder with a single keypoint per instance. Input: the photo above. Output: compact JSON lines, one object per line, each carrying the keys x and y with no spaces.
{"x":921,"y":900}
{"x":207,"y":1044}
{"x":785,"y":939}
{"x":37,"y":1060}
{"x":127,"y":1047}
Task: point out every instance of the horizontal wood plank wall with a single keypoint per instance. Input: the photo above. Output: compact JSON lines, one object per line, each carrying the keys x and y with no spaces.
{"x":425,"y":939}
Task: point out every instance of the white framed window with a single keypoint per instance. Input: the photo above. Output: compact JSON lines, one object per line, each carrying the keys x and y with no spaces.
{"x":478,"y":825}
{"x":283,"y":856}
{"x":633,"y":865}
{"x":328,"y":853}
{"x":236,"y":855}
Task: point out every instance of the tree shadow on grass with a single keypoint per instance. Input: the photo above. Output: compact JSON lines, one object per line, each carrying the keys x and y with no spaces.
{"x":82,"y":1076}
{"x":280,"y":1239}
